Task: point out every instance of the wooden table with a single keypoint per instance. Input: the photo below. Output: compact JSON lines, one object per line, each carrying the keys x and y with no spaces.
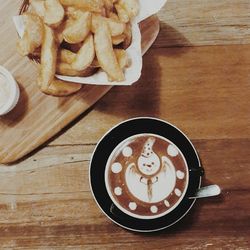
{"x":195,"y":76}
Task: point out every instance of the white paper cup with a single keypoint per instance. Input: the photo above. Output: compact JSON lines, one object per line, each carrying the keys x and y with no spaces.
{"x":12,"y":89}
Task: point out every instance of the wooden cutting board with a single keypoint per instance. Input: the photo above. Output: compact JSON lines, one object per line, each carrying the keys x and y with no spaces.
{"x":38,"y":117}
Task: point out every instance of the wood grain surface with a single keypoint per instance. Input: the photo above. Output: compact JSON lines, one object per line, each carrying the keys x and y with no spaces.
{"x":197,"y":77}
{"x":39,"y":117}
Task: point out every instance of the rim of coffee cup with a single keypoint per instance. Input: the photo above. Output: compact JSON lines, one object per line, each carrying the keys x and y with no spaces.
{"x":131,"y":213}
{"x":92,"y":192}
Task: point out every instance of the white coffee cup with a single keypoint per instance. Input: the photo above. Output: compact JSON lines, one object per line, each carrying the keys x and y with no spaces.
{"x":131,"y":186}
{"x":116,"y":184}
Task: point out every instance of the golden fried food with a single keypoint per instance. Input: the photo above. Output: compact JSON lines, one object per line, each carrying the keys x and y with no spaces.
{"x":77,"y":28}
{"x":88,"y":5}
{"x":33,"y":34}
{"x":128,"y":36}
{"x":116,"y":40}
{"x":48,"y":59}
{"x":114,"y":16}
{"x":72,"y":47}
{"x":116,"y":27}
{"x":59,"y":32}
{"x":131,"y":7}
{"x":76,"y":38}
{"x":105,"y":53}
{"x":38,"y":7}
{"x":85,"y":55}
{"x":95,"y":63}
{"x":122,"y":13}
{"x":66,"y":56}
{"x":71,"y":12}
{"x":63,"y":68}
{"x":122,"y":58}
{"x":46,"y":80}
{"x":108,"y":4}
{"x":54,"y":13}
{"x":61,"y":88}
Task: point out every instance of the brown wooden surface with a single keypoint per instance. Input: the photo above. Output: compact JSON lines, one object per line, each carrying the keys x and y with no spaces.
{"x":45,"y":201}
{"x":39,"y":117}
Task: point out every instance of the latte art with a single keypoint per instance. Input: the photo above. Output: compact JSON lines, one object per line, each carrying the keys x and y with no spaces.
{"x":146,"y":176}
{"x":149,"y":162}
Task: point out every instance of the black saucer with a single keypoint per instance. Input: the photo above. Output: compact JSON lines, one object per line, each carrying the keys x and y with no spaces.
{"x":105,"y":148}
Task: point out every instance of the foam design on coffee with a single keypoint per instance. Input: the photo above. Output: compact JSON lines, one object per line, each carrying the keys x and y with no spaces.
{"x":154,"y":209}
{"x":164,"y":181}
{"x":147,"y":188}
{"x":167,"y":204}
{"x":172,"y":150}
{"x":180,"y":175}
{"x":116,"y":168}
{"x":132,"y":206}
{"x":127,"y":151}
{"x":177,"y":192}
{"x":118,"y":191}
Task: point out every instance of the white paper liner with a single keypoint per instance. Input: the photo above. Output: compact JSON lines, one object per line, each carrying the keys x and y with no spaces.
{"x":149,"y":8}
{"x":133,"y":73}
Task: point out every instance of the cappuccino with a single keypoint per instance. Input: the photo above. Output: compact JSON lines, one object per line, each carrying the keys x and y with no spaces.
{"x":146,"y":176}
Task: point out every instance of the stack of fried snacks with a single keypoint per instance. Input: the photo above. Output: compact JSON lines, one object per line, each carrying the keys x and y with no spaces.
{"x":77,"y":38}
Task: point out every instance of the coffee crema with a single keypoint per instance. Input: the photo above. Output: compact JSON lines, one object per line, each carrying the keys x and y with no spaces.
{"x":146,"y":176}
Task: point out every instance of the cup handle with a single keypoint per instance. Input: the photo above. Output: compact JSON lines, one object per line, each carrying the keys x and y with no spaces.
{"x":208,"y":191}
